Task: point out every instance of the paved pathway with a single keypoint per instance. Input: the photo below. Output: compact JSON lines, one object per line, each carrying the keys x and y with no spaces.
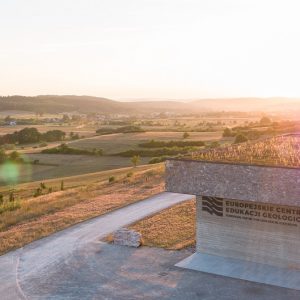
{"x":40,"y":258}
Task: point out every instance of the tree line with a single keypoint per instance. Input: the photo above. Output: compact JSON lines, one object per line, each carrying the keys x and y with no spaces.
{"x":31,"y":135}
{"x":170,"y":144}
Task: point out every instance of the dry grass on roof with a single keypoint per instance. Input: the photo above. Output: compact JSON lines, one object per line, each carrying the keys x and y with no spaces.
{"x":278,"y":151}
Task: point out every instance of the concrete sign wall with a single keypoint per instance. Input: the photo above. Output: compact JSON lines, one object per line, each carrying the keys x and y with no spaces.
{"x":253,"y":231}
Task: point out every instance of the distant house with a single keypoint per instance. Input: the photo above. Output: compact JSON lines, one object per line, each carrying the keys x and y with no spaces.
{"x":12,"y":123}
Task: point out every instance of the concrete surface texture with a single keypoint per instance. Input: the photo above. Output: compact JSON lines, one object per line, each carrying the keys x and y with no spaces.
{"x":103,"y":271}
{"x":275,"y":185}
{"x":38,"y":260}
{"x":242,"y":269}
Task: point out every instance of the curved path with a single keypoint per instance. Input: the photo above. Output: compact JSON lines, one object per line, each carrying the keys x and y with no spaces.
{"x":42,"y":257}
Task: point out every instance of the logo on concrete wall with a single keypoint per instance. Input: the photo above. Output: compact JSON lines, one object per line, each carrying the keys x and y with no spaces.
{"x":213,"y":205}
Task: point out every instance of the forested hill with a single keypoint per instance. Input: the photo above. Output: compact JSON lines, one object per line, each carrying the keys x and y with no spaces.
{"x":58,"y":104}
{"x":88,"y":104}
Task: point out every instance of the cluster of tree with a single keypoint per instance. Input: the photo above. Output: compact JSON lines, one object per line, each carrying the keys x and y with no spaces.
{"x":240,"y":138}
{"x":157,"y":152}
{"x":251,"y":134}
{"x":123,"y":129}
{"x":13,"y":156}
{"x":74,"y":136}
{"x":254,"y":131}
{"x":170,"y":144}
{"x":31,"y":135}
{"x":65,"y":149}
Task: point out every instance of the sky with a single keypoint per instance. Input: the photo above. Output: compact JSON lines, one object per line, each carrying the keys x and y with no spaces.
{"x":173,"y":49}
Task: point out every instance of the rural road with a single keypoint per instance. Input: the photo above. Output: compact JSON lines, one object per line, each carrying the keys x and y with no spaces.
{"x":43,"y":257}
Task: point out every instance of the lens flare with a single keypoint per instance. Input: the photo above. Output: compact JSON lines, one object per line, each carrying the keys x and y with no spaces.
{"x":13,"y":172}
{"x":10,"y":172}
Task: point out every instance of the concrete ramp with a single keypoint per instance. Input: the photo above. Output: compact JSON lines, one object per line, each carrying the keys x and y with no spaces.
{"x":241,"y":269}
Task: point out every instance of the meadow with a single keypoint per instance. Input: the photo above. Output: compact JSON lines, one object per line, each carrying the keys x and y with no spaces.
{"x":94,"y":195}
{"x":119,"y":142}
{"x":60,"y":165}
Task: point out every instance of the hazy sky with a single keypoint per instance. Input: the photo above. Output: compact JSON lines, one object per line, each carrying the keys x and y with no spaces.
{"x":150,"y":48}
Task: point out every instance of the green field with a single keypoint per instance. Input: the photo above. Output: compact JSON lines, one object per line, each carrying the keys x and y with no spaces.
{"x":59,"y":165}
{"x":63,"y":165}
{"x":26,"y":190}
{"x":115,"y":143}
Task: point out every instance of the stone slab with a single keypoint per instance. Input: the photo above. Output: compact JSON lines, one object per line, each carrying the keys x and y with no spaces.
{"x":240,"y":269}
{"x":127,"y":237}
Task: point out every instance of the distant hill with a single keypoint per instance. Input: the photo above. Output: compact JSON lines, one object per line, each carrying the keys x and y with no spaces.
{"x":249,"y":104}
{"x":88,"y":104}
{"x":58,"y":104}
{"x":85,"y":104}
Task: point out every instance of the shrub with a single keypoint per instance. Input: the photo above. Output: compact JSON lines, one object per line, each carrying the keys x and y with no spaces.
{"x":11,"y":197}
{"x":135,"y":160}
{"x":240,"y":138}
{"x":62,"y":185}
{"x":10,"y":206}
{"x":129,"y":174}
{"x":265,"y":121}
{"x":38,"y":192}
{"x":214,"y":144}
{"x":185,"y":135}
{"x":228,"y":133}
{"x":156,"y":160}
{"x":15,"y":156}
{"x":111,"y":179}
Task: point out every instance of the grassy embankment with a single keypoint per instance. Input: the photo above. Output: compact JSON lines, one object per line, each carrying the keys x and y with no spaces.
{"x":86,"y":197}
{"x":173,"y":228}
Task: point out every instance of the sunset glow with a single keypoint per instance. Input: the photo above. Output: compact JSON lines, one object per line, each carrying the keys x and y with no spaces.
{"x":142,"y":48}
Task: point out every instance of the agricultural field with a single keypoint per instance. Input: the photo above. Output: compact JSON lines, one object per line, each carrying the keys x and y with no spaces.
{"x":115,"y":143}
{"x":49,"y":166}
{"x":60,"y":165}
{"x":17,"y":113}
{"x":277,"y":151}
